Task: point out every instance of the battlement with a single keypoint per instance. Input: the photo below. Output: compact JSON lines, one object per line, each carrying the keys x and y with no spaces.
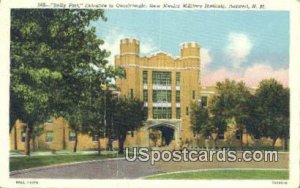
{"x":190,"y":50}
{"x":189,"y":45}
{"x":129,"y":47}
{"x":130,"y":41}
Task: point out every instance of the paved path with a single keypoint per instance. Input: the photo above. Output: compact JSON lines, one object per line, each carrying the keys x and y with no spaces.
{"x":120,"y":168}
{"x":107,"y":169}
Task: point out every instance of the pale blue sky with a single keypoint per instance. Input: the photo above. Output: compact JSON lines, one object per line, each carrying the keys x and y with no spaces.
{"x":257,"y":37}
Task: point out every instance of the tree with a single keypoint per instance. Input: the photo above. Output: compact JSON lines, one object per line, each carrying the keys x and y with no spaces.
{"x":273,"y":110}
{"x":230,"y":103}
{"x":199,"y":119}
{"x":154,"y":135}
{"x":205,"y":123}
{"x":253,"y":124}
{"x":128,"y":115}
{"x":51,"y":53}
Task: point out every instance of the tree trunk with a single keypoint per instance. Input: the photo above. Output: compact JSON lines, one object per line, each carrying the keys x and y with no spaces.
{"x":64,"y":138}
{"x":109,"y":144}
{"x":33,"y":143}
{"x":286,"y":147}
{"x":215,"y":142}
{"x":241,"y":138}
{"x":121,"y":144}
{"x":273,"y":142}
{"x":99,"y":146}
{"x":15,"y":138}
{"x":27,"y":141}
{"x":76,"y":142}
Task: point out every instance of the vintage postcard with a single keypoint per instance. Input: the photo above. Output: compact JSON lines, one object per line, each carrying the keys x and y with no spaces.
{"x":148,"y":93}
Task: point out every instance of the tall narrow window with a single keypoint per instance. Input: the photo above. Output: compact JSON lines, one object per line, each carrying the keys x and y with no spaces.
{"x":145,"y":112}
{"x":72,"y":136}
{"x":204,"y":101}
{"x":178,"y":78}
{"x":145,"y":77}
{"x":177,"y":113}
{"x":49,"y":136}
{"x":23,"y":136}
{"x":238,"y":135}
{"x":193,"y":95}
{"x":221,"y":135}
{"x":177,"y":96}
{"x":187,"y":111}
{"x":95,"y":138}
{"x":145,"y":95}
{"x":131,"y":93}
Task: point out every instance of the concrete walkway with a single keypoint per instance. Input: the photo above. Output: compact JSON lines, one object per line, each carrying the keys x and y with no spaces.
{"x":120,"y":168}
{"x":61,"y":152}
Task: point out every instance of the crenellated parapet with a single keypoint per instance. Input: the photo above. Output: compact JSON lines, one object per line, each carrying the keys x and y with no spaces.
{"x":190,"y":50}
{"x":129,"y":47}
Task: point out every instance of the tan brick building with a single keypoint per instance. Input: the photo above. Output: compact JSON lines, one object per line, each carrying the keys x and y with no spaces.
{"x":167,"y":84}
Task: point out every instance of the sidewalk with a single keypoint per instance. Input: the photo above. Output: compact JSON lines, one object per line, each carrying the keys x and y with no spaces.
{"x":61,"y":152}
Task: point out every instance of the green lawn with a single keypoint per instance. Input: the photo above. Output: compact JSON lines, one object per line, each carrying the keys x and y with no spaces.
{"x":18,"y":163}
{"x":226,"y":174}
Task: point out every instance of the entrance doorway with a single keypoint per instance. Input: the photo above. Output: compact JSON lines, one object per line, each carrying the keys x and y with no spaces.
{"x":161,"y":135}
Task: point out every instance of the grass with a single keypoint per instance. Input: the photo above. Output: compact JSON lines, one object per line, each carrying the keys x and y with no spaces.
{"x":18,"y":163}
{"x":226,"y":174}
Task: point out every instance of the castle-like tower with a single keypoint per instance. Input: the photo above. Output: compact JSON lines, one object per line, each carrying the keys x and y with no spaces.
{"x":166,"y":84}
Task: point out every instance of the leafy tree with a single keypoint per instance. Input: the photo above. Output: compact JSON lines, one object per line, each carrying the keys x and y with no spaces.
{"x":199,"y":119}
{"x":231,"y":103}
{"x":52,"y":54}
{"x":128,"y":115}
{"x":96,"y":119}
{"x":154,"y":136}
{"x":273,"y":109}
{"x":253,"y":124}
{"x":205,"y":123}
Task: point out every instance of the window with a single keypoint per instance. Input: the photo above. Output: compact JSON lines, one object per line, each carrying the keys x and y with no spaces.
{"x":204,"y":101}
{"x":146,"y":112}
{"x":177,"y":96}
{"x":131,"y":93}
{"x":187,"y":111}
{"x":161,"y":78}
{"x":238,"y":135}
{"x":23,"y":136}
{"x":49,"y":136}
{"x":162,"y":113}
{"x":221,"y":136}
{"x":95,"y":138}
{"x":145,"y":95}
{"x":50,"y":120}
{"x":256,"y":136}
{"x":72,"y":136}
{"x":177,"y":113}
{"x":162,"y":96}
{"x":145,"y":77}
{"x":194,"y":95}
{"x":178,"y":78}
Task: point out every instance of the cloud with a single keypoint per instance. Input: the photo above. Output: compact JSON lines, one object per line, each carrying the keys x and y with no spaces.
{"x":238,"y":48}
{"x":212,"y":77}
{"x":147,"y":46}
{"x":236,"y":52}
{"x":205,"y":56}
{"x":251,"y":75}
{"x":112,"y":43}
